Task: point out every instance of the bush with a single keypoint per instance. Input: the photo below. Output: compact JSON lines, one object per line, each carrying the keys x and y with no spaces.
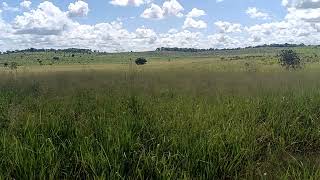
{"x":289,"y":59}
{"x":13,"y":65}
{"x":39,"y":61}
{"x":56,"y":58}
{"x":141,"y":61}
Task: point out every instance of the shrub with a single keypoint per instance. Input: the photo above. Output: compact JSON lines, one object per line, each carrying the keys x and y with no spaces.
{"x":289,"y":59}
{"x":13,"y":65}
{"x":56,"y":58}
{"x":141,"y":61}
{"x":39,"y":61}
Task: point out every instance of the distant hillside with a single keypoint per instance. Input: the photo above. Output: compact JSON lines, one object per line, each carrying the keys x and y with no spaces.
{"x":161,"y":49}
{"x":176,"y":49}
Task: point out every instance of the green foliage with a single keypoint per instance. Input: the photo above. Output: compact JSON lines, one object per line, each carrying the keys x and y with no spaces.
{"x":141,"y":61}
{"x":13,"y":65}
{"x":289,"y":59}
{"x":56,"y":58}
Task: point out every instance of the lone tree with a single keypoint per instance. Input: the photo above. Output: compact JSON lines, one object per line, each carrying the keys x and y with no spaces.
{"x":289,"y":59}
{"x":56,"y":58}
{"x":13,"y":66}
{"x":40,"y":62}
{"x":141,"y":61}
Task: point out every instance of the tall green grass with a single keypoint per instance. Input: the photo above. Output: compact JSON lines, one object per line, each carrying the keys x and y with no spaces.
{"x":173,"y":125}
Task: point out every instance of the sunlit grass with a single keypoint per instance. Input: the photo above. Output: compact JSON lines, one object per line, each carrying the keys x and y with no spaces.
{"x":159,"y":123}
{"x":227,"y":115}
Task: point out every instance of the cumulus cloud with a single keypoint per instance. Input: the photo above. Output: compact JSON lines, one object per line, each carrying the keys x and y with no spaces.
{"x":145,"y":36}
{"x":195,"y":12}
{"x":25,"y":4}
{"x":304,"y":10}
{"x":311,"y":15}
{"x":173,"y":8}
{"x":183,"y":39}
{"x":227,"y":27}
{"x":128,"y":2}
{"x":222,"y":40}
{"x":285,"y":32}
{"x":153,"y":12}
{"x":192,"y":23}
{"x":79,"y":8}
{"x":47,"y":19}
{"x":169,"y":8}
{"x":253,"y":12}
{"x":301,"y":4}
{"x":300,"y":25}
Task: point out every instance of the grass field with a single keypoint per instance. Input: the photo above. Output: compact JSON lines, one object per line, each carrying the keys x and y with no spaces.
{"x":229,"y":115}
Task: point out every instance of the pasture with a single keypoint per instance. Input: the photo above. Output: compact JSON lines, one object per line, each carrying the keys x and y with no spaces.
{"x":232,"y":114}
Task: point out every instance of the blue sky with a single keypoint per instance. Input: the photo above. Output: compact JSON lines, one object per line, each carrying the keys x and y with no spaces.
{"x":124,"y":25}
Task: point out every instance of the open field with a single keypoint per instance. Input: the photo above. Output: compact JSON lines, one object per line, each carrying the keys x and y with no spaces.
{"x":224,"y":115}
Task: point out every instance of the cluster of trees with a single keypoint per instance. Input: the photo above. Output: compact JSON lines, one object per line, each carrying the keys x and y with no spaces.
{"x":184,"y":49}
{"x":70,"y":50}
{"x":286,"y":45}
{"x":176,"y":49}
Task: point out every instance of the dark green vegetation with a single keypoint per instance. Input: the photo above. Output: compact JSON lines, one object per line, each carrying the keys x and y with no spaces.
{"x":141,"y":61}
{"x":290,"y":59}
{"x":236,"y":115}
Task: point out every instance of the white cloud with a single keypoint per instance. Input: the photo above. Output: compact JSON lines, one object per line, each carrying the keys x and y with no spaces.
{"x":47,"y":19}
{"x":191,"y":23}
{"x":184,"y":39}
{"x":221,"y":40}
{"x":169,"y":8}
{"x":301,"y":4}
{"x":172,"y":31}
{"x":227,"y":27}
{"x":196,"y":13}
{"x":173,"y":8}
{"x":25,"y":4}
{"x":253,"y":12}
{"x":79,"y":8}
{"x":153,"y":12}
{"x":305,"y":10}
{"x":145,"y":36}
{"x":128,"y":2}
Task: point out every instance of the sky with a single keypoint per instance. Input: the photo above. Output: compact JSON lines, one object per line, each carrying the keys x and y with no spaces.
{"x":143,"y":25}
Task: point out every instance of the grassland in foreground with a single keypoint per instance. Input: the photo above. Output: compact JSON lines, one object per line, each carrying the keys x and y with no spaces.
{"x":167,"y":120}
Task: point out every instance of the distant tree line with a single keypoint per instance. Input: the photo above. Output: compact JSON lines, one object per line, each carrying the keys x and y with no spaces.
{"x":176,"y":49}
{"x":184,"y":49}
{"x":69,"y":50}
